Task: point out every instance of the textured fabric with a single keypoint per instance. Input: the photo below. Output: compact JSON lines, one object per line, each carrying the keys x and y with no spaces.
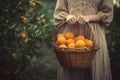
{"x":100,"y":69}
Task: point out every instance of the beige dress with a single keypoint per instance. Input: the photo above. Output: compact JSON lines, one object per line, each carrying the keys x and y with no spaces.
{"x":100,"y":69}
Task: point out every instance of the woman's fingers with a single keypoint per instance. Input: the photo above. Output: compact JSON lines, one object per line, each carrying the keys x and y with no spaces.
{"x":75,"y":20}
{"x":71,"y":19}
{"x":81,"y":20}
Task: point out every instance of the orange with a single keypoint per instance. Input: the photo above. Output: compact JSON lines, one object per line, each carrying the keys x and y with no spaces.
{"x":23,"y":35}
{"x":71,"y":45}
{"x":23,"y":18}
{"x":80,"y":37}
{"x":61,"y":40}
{"x":89,"y":43}
{"x":32,"y":4}
{"x":60,"y":35}
{"x":25,"y":40}
{"x":69,"y":35}
{"x":80,"y":43}
{"x":69,"y":41}
{"x":62,"y":46}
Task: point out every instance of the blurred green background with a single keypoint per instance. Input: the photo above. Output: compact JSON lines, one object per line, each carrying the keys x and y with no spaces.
{"x":30,"y":56}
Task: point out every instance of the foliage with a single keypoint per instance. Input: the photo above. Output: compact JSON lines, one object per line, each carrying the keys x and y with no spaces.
{"x":17,"y":17}
{"x":113,"y":39}
{"x":45,"y":66}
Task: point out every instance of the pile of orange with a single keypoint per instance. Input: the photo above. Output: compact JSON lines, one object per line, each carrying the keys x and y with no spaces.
{"x":68,"y":40}
{"x":24,"y":37}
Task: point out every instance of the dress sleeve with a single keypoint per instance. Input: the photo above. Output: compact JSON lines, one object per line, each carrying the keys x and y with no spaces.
{"x":60,"y":12}
{"x":105,"y":11}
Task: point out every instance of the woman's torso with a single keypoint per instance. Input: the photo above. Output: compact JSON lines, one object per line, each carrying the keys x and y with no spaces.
{"x":83,"y":7}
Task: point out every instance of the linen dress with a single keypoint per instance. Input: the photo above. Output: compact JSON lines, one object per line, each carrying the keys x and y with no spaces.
{"x":100,"y":69}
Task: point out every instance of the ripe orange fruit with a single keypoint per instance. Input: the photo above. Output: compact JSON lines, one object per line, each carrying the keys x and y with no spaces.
{"x":60,"y":35}
{"x":69,"y":35}
{"x":89,"y":43}
{"x":25,"y":40}
{"x":23,"y":35}
{"x":71,"y":45}
{"x":69,"y":41}
{"x":80,"y":37}
{"x":61,"y":40}
{"x":80,"y":43}
{"x":23,"y":18}
{"x":62,"y":46}
{"x":32,"y":4}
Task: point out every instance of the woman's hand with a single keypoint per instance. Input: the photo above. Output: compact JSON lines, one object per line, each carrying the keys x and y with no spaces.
{"x":71,"y":19}
{"x":89,"y":18}
{"x":82,"y":20}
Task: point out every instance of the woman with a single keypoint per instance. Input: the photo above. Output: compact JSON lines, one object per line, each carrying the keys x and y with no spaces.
{"x":98,"y":13}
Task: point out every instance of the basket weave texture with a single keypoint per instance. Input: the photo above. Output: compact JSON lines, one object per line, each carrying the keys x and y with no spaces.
{"x":74,"y":58}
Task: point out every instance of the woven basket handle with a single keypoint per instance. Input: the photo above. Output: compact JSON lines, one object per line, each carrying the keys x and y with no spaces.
{"x":92,"y":34}
{"x":64,"y":22}
{"x":58,"y":29}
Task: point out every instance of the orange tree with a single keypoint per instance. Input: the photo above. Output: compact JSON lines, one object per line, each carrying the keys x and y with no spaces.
{"x":23,"y":26}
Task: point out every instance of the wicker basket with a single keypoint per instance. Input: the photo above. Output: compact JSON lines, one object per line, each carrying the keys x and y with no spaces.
{"x":75,"y":58}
